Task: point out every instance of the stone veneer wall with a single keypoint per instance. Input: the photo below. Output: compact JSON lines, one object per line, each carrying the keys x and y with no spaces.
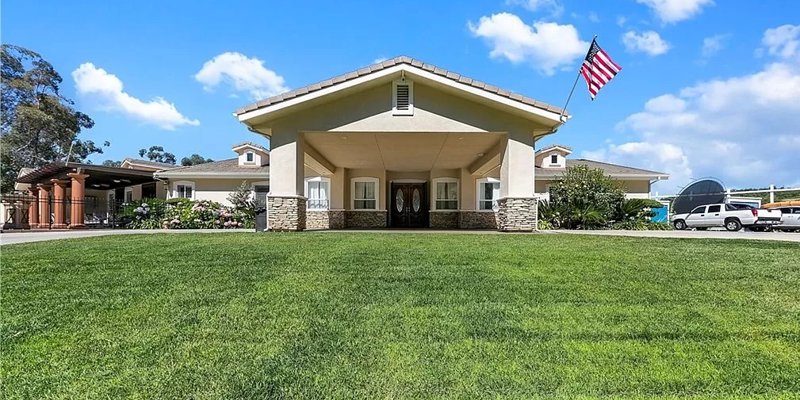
{"x":325,"y":219}
{"x":477,"y":220}
{"x":365,"y":219}
{"x":444,"y":219}
{"x":516,"y":214}
{"x":286,"y":213}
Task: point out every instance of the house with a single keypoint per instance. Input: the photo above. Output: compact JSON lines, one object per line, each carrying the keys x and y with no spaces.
{"x":402,"y":143}
{"x":216,"y":180}
{"x":552,"y":161}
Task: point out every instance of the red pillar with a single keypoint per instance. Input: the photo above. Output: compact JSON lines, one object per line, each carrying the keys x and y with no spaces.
{"x":44,"y":205}
{"x":78,"y":187}
{"x":33,"y":208}
{"x":59,"y":203}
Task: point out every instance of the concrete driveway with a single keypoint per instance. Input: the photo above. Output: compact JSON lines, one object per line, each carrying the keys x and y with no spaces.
{"x":710,"y":234}
{"x":39,"y":236}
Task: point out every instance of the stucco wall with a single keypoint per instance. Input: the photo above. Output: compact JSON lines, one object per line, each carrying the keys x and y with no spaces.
{"x":215,"y":189}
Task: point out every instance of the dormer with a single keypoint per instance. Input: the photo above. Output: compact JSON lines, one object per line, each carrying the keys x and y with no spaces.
{"x":553,"y":156}
{"x":251,"y":154}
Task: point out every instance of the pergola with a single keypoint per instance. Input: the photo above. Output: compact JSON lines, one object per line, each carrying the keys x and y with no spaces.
{"x":55,"y":178}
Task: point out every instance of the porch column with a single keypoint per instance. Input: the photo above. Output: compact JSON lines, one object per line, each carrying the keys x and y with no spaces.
{"x":77,"y":208}
{"x":286,"y":203}
{"x":44,"y":205}
{"x":517,"y":204}
{"x":59,"y":202}
{"x":33,"y":208}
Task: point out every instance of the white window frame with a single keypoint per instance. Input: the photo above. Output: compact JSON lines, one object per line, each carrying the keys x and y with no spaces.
{"x":128,"y":189}
{"x":551,"y":159}
{"x":435,"y":196}
{"x":327,"y":192}
{"x":249,"y":154}
{"x":353,"y":199}
{"x":410,"y":85}
{"x":478,"y":192}
{"x":183,"y":183}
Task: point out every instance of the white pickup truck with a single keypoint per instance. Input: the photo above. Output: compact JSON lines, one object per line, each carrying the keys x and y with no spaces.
{"x":732,"y":216}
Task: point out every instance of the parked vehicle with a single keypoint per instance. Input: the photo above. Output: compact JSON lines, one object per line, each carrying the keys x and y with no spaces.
{"x":790,"y":218}
{"x":731,"y":216}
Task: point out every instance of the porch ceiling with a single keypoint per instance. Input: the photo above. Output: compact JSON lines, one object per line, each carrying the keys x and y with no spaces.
{"x":402,"y":151}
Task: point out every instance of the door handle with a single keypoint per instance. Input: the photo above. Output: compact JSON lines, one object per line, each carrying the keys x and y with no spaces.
{"x":716,"y":215}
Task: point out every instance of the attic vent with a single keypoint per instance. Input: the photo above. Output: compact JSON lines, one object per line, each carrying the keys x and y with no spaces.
{"x":403,"y":97}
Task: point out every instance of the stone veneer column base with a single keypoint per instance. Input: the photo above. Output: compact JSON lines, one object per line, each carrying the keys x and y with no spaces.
{"x":516,"y":214}
{"x":286,"y":213}
{"x":444,"y":219}
{"x":325,"y":219}
{"x":365,"y":219}
{"x":477,"y":220}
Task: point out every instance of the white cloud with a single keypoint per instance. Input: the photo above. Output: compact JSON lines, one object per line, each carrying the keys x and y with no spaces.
{"x":548,"y":46}
{"x":593,"y":17}
{"x":783,"y":41}
{"x":743,"y":130}
{"x":712,"y":45}
{"x":108,"y":91}
{"x":244,"y":73}
{"x":648,"y":42}
{"x":621,"y":21}
{"x":672,"y":11}
{"x":553,"y":6}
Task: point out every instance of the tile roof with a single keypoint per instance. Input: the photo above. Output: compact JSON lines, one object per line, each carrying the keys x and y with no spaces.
{"x":390,"y":63}
{"x":149,"y":163}
{"x":607,"y":168}
{"x":251,"y":144}
{"x":222,"y":166}
{"x":552,"y":146}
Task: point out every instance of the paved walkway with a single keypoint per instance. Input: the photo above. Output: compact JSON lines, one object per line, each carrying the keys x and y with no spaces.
{"x":38,"y":236}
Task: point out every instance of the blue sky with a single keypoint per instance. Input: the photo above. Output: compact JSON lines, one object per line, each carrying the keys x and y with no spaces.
{"x":708,"y":88}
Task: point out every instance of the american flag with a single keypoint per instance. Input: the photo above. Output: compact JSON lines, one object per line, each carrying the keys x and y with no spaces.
{"x":598,"y":68}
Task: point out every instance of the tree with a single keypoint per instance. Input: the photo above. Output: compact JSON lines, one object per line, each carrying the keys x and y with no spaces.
{"x":586,"y":197}
{"x":195,"y":159}
{"x":39,"y":124}
{"x":111,"y":163}
{"x":157,"y":153}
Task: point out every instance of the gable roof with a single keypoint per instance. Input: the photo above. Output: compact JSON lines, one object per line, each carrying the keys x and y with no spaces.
{"x":408,"y":64}
{"x":566,"y":149}
{"x":612,"y":170}
{"x":250,"y":145}
{"x":224,"y":169}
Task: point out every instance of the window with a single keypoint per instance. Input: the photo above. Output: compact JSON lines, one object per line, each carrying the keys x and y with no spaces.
{"x":129,"y":195}
{"x":488,"y":193}
{"x":715,"y":208}
{"x":698,"y":210}
{"x":184,"y":189}
{"x":403,"y":97}
{"x":365,"y":193}
{"x":446,"y":191}
{"x":318,"y":193}
{"x":554,"y":159}
{"x":249,"y":156}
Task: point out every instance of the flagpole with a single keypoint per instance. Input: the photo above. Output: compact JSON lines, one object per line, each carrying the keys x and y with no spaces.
{"x":564,"y":109}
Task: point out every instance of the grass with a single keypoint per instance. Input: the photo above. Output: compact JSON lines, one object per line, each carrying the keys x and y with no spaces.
{"x":344,"y":315}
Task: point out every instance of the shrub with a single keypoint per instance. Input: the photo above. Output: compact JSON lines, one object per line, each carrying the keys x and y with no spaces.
{"x":185,"y":214}
{"x":585,"y":198}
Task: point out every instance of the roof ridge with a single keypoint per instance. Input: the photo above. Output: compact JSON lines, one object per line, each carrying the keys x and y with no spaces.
{"x":618,"y":165}
{"x":402,"y":59}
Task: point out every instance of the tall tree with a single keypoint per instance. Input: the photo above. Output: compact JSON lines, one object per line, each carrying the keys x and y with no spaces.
{"x":195,"y":159}
{"x":111,"y":163}
{"x":157,"y":153}
{"x":38,"y":124}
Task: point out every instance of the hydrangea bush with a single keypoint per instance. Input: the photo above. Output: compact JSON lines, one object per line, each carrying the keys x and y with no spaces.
{"x":186,"y":214}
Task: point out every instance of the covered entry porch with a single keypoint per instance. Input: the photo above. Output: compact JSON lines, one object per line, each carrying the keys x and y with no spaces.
{"x":401,"y":144}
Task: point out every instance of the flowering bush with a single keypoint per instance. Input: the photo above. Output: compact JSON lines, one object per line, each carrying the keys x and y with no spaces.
{"x":186,"y":214}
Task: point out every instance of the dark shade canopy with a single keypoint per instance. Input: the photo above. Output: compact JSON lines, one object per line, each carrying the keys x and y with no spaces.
{"x":100,"y":177}
{"x":706,"y":191}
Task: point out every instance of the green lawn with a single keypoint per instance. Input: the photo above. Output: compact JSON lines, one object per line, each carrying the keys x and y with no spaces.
{"x":364,"y":315}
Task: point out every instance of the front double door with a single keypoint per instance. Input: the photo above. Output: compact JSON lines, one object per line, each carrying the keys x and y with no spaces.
{"x":409,"y":205}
